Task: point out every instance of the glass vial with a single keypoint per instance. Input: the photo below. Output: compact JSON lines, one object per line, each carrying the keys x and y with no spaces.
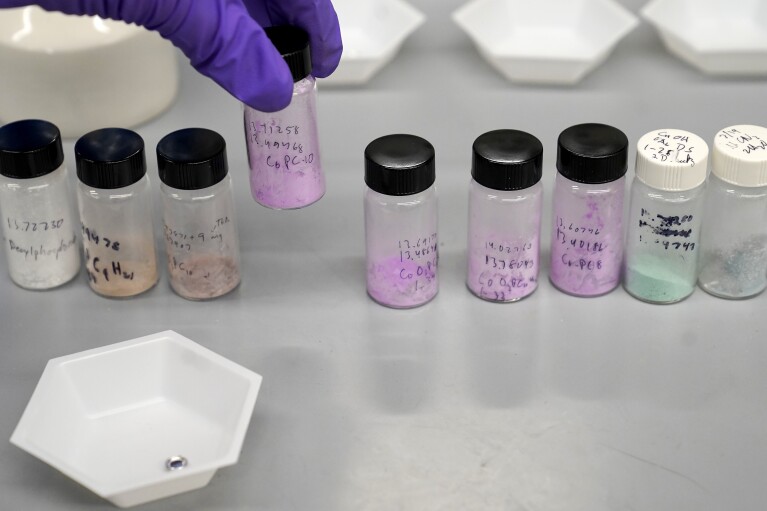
{"x":401,"y":221}
{"x":37,"y":217}
{"x":734,"y":259}
{"x":587,"y":236}
{"x":116,"y":212}
{"x":283,"y":147}
{"x":663,"y":239}
{"x":505,"y":199}
{"x":199,"y":225}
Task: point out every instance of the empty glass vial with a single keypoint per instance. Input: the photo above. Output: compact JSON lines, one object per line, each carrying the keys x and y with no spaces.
{"x":734,"y":259}
{"x":199,"y":224}
{"x":663,"y":239}
{"x":283,"y":147}
{"x":400,"y":221}
{"x":116,"y":212}
{"x":505,"y":198}
{"x":587,"y":236}
{"x":37,"y":217}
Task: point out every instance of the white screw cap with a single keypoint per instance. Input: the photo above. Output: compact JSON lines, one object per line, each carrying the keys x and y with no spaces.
{"x":672,"y":160}
{"x":740,"y":155}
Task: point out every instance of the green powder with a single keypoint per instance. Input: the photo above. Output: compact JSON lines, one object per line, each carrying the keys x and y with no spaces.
{"x":653,"y":281}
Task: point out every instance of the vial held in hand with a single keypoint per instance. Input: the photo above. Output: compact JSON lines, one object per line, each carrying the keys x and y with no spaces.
{"x":283,"y":147}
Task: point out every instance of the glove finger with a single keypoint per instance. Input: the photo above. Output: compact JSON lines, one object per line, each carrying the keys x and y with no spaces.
{"x":319,"y":19}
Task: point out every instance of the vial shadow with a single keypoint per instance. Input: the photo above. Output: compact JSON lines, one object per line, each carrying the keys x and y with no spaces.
{"x":583,"y":350}
{"x":399,"y":358}
{"x":501,"y":352}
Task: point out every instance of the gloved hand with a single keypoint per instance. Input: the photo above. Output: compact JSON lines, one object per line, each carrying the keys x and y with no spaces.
{"x":224,"y":39}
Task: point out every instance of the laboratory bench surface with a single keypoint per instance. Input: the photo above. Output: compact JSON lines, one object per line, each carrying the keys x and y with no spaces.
{"x":552,"y":403}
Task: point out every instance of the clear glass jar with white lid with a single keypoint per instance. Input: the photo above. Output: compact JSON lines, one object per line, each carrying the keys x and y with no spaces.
{"x":665,"y":215}
{"x":734,"y":258}
{"x":199,"y":224}
{"x":38,"y":221}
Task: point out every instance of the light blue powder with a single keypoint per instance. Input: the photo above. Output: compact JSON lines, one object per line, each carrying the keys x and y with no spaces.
{"x":655,"y":281}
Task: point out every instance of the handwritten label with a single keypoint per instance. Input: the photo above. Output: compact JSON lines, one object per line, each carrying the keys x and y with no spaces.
{"x":750,"y":141}
{"x":96,"y":265}
{"x":109,"y":271}
{"x":16,"y":224}
{"x":186,"y":240}
{"x":671,"y":232}
{"x":419,"y":258}
{"x":496,"y":256}
{"x":587,"y":255}
{"x":672,"y":147}
{"x":35,"y":240}
{"x":283,"y":149}
{"x":503,"y":270}
{"x":92,"y":236}
{"x":38,"y":251}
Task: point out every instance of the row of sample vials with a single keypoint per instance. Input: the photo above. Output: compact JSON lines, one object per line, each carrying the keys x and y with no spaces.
{"x":670,"y":244}
{"x":115,"y":211}
{"x":685,"y":225}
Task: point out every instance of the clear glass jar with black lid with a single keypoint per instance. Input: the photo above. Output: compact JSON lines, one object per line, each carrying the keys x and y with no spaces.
{"x":116,"y":212}
{"x":199,"y":225}
{"x":39,"y":225}
{"x":401,"y":221}
{"x":587,"y":235}
{"x":505,"y":201}
{"x":283,"y":147}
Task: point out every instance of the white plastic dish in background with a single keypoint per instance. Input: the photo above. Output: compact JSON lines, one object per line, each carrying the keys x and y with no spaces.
{"x":373,"y":32}
{"x":719,"y":37}
{"x":545,"y":41}
{"x":110,"y":418}
{"x":82,"y":73}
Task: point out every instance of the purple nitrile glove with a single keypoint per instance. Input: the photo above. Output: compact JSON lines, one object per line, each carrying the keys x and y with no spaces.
{"x":224,"y":39}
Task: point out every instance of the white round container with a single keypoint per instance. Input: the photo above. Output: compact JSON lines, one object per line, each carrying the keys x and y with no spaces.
{"x":82,"y":73}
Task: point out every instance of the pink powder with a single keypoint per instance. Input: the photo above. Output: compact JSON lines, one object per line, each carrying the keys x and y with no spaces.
{"x":503,"y":271}
{"x":587,"y":240}
{"x":283,"y":152}
{"x":402,"y":284}
{"x":503,"y":242}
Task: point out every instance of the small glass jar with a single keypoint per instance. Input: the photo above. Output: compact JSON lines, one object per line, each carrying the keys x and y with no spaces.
{"x":199,"y":224}
{"x":734,"y":259}
{"x":37,"y":216}
{"x":116,"y":212}
{"x":505,"y":200}
{"x":283,"y":147}
{"x":401,"y":221}
{"x":587,"y":236}
{"x":663,"y":239}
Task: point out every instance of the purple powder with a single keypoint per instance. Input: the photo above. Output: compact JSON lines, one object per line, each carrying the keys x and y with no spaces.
{"x":503,"y":271}
{"x":587,"y":238}
{"x":504,"y":242}
{"x":283,"y":152}
{"x":402,"y":284}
